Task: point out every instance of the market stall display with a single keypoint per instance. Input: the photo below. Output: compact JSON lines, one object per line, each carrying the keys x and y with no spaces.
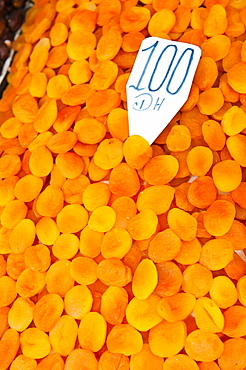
{"x":114,"y":253}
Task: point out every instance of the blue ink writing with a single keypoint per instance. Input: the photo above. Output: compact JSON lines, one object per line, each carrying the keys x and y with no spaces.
{"x":186,"y":72}
{"x":145,"y":101}
{"x":157,"y":104}
{"x":178,"y":64}
{"x":157,"y":63}
{"x":146,"y":66}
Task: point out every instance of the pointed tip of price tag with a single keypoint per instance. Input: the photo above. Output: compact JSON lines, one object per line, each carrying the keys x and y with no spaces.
{"x":159,"y":84}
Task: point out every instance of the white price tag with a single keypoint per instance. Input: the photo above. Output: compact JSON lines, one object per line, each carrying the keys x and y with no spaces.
{"x":159,"y":84}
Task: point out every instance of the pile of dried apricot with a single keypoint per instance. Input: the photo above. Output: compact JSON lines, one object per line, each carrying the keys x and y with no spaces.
{"x":117,"y":254}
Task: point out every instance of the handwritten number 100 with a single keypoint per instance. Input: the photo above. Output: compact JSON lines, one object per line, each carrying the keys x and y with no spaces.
{"x":175,"y":49}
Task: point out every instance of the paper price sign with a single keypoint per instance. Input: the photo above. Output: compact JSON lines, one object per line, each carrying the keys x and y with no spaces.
{"x":159,"y":84}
